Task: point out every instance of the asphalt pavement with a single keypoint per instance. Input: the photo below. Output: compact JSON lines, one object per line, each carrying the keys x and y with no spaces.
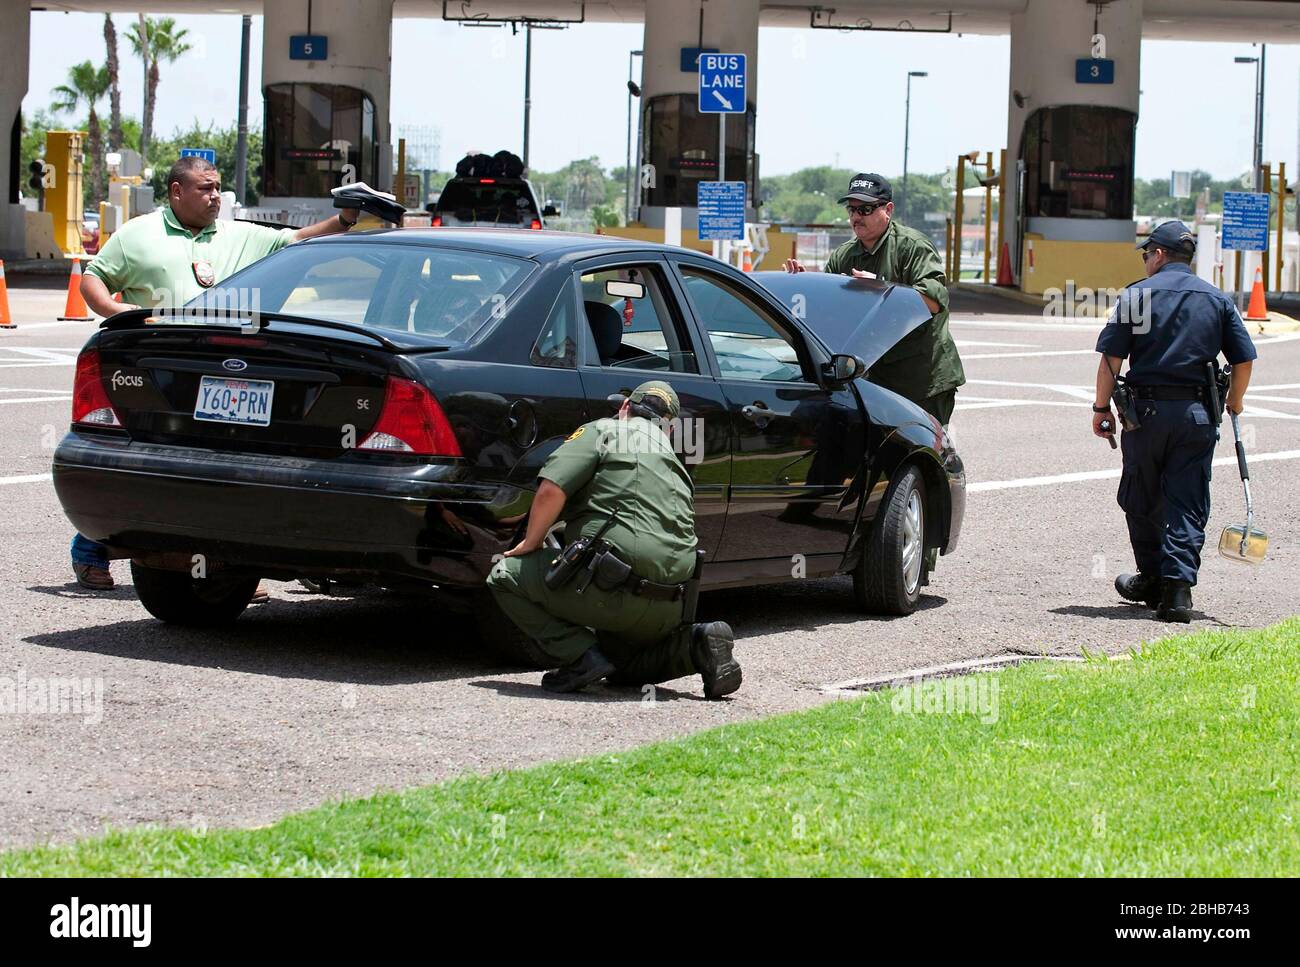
{"x":310,"y":698}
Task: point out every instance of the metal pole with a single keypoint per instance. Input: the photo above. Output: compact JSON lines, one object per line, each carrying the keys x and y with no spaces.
{"x":528,"y":84}
{"x":720,"y":247}
{"x":1259,"y":113}
{"x":241,"y":141}
{"x":907,"y":126}
{"x":1281,"y":210}
{"x":957,"y":219}
{"x":1265,"y":175}
{"x":1002,"y":206}
{"x":627,"y":169}
{"x":988,"y":212}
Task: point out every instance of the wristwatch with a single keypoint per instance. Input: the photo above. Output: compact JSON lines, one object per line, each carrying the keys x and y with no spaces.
{"x":348,"y":224}
{"x":1101,"y":409}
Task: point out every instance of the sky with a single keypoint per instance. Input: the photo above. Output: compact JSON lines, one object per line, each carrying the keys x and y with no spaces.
{"x":823,"y":97}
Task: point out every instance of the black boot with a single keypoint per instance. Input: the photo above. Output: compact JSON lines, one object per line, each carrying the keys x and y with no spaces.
{"x":1175,"y":602}
{"x":591,"y":667}
{"x":1139,"y":588}
{"x":711,"y":652}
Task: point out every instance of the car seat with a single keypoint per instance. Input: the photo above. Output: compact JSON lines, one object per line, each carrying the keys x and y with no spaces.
{"x":607,"y":328}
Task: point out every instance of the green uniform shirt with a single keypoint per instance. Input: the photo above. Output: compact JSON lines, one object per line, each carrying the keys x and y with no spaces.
{"x":628,"y":466}
{"x":150,"y":259}
{"x":925,"y":363}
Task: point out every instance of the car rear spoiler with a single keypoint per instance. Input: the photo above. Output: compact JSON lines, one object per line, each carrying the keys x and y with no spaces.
{"x":140,"y":318}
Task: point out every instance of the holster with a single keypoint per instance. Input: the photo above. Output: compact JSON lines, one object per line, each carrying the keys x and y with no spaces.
{"x":1218,"y":383}
{"x":611,"y":573}
{"x":1121,"y":395}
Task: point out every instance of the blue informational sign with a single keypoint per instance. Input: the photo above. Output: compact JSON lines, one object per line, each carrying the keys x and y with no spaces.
{"x":207,"y":154}
{"x":308,"y":47}
{"x":691,"y":58}
{"x":722,"y":83}
{"x":1094,"y":70}
{"x":1245,"y":221}
{"x":722,"y":211}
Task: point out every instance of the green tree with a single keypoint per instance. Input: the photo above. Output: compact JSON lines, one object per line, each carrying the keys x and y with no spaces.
{"x":605,"y":216}
{"x":155,"y":41}
{"x":86,"y":86}
{"x":163,"y":153}
{"x":114,"y":92}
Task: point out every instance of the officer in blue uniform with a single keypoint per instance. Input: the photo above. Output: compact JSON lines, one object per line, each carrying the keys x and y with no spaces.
{"x":1169,"y":326}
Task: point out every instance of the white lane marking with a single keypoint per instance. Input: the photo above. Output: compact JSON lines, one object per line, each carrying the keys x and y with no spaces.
{"x":10,"y":365}
{"x":1272,"y":399}
{"x":28,"y":478}
{"x":1273,"y":386}
{"x":38,"y":399}
{"x":25,"y":326}
{"x":1006,"y":345}
{"x":1050,"y":352}
{"x":29,"y":389}
{"x":1112,"y":473}
{"x":981,"y":404}
{"x":1089,"y":328}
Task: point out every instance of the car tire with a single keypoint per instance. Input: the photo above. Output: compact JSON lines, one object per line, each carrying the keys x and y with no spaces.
{"x":503,"y":637}
{"x":889,"y":577}
{"x":177,"y":598}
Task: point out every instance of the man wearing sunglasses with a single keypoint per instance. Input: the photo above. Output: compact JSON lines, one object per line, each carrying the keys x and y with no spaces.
{"x":924,"y":366}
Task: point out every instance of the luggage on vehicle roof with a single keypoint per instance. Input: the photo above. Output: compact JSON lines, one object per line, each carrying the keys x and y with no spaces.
{"x":503,"y":164}
{"x":507,"y":165}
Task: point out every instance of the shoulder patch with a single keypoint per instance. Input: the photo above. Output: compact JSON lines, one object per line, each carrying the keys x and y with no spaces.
{"x":575,"y":434}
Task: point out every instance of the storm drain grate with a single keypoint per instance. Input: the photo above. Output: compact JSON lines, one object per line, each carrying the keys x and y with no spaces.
{"x":911,"y":676}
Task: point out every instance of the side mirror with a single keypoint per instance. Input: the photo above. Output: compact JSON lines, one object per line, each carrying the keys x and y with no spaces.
{"x":549,"y":212}
{"x":843,"y":367}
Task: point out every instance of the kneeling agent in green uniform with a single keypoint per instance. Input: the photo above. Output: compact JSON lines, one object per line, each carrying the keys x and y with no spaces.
{"x":618,"y":483}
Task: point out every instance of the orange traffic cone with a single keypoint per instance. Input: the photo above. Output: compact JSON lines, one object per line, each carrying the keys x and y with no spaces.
{"x":6,"y":320}
{"x":1258,"y":310}
{"x":747,"y":263}
{"x":76,"y":310}
{"x":1004,"y":267}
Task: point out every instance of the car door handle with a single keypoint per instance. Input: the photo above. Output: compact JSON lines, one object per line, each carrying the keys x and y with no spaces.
{"x":757,"y":413}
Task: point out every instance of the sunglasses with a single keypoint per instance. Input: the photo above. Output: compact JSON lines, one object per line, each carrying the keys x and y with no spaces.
{"x":863,"y":209}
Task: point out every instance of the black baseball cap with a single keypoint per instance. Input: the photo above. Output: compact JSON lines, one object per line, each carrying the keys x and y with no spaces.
{"x":868,"y":186}
{"x":1173,"y":235}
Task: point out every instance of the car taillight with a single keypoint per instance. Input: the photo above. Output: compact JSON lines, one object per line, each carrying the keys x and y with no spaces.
{"x":537,"y":223}
{"x":90,"y":404}
{"x":411,"y":421}
{"x":437,"y":221}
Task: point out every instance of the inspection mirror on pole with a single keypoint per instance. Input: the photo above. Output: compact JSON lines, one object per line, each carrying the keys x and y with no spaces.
{"x":722,"y":92}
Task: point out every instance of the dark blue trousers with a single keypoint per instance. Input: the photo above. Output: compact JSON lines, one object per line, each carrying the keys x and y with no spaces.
{"x":1165,"y":487}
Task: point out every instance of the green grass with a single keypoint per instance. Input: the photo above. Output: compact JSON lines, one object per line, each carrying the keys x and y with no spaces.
{"x":1182,"y":761}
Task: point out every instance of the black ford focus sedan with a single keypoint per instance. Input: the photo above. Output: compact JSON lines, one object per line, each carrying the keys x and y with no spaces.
{"x":374,"y":408}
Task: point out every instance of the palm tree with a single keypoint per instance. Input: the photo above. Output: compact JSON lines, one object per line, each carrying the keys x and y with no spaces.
{"x":154,"y":41}
{"x":86,"y":85}
{"x":114,"y":93}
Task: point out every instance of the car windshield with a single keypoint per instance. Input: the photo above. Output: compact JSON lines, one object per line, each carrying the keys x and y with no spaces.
{"x":505,"y":202}
{"x":447,"y":293}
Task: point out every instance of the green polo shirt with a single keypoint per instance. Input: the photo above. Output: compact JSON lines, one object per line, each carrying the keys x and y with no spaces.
{"x":924,"y":363}
{"x":628,"y":467}
{"x":150,"y":259}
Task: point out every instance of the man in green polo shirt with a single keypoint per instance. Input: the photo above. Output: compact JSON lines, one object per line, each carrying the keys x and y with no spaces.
{"x":620,"y":479}
{"x":166,"y":258}
{"x":923,"y":366}
{"x":169,"y":256}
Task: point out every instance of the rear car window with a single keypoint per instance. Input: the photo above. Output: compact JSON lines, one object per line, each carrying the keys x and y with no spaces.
{"x":503,"y":202}
{"x":451,"y":294}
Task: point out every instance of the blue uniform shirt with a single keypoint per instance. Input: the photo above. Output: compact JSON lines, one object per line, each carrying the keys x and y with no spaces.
{"x":1170,"y":325}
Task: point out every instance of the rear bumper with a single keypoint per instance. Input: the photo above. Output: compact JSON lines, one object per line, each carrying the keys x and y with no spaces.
{"x":337,"y":517}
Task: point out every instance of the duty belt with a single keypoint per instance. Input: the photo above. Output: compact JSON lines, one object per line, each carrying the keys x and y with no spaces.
{"x":611,"y":573}
{"x":1159,"y":393}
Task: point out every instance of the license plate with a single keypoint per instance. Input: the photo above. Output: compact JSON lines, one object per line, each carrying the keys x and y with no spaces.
{"x":243,"y":401}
